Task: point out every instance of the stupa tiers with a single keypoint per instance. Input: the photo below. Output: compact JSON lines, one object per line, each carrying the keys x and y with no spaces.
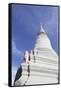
{"x":40,"y":66}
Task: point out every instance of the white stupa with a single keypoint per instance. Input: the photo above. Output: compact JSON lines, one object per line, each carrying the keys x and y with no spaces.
{"x":41,"y":65}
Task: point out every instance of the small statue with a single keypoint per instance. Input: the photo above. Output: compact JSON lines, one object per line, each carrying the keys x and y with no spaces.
{"x":26,"y":57}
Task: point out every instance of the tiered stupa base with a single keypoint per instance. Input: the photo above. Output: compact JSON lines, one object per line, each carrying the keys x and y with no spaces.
{"x":39,"y":74}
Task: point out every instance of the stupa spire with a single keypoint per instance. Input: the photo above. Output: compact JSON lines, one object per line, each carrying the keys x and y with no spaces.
{"x":41,"y":30}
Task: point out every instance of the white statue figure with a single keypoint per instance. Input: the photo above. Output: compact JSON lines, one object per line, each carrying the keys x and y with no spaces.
{"x":26,"y":57}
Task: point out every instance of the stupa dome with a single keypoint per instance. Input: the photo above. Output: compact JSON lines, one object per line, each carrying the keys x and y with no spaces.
{"x":42,"y":40}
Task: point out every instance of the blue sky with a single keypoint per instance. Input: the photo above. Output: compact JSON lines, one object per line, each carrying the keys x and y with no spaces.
{"x":26,"y":21}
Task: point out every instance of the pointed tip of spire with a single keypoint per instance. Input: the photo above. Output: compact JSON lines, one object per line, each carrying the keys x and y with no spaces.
{"x":41,"y":29}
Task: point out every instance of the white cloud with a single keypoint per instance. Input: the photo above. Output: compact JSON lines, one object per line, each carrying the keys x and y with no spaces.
{"x":16,"y":51}
{"x":14,"y":70}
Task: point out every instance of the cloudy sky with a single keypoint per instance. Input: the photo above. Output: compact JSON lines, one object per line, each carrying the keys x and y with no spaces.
{"x":26,"y":21}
